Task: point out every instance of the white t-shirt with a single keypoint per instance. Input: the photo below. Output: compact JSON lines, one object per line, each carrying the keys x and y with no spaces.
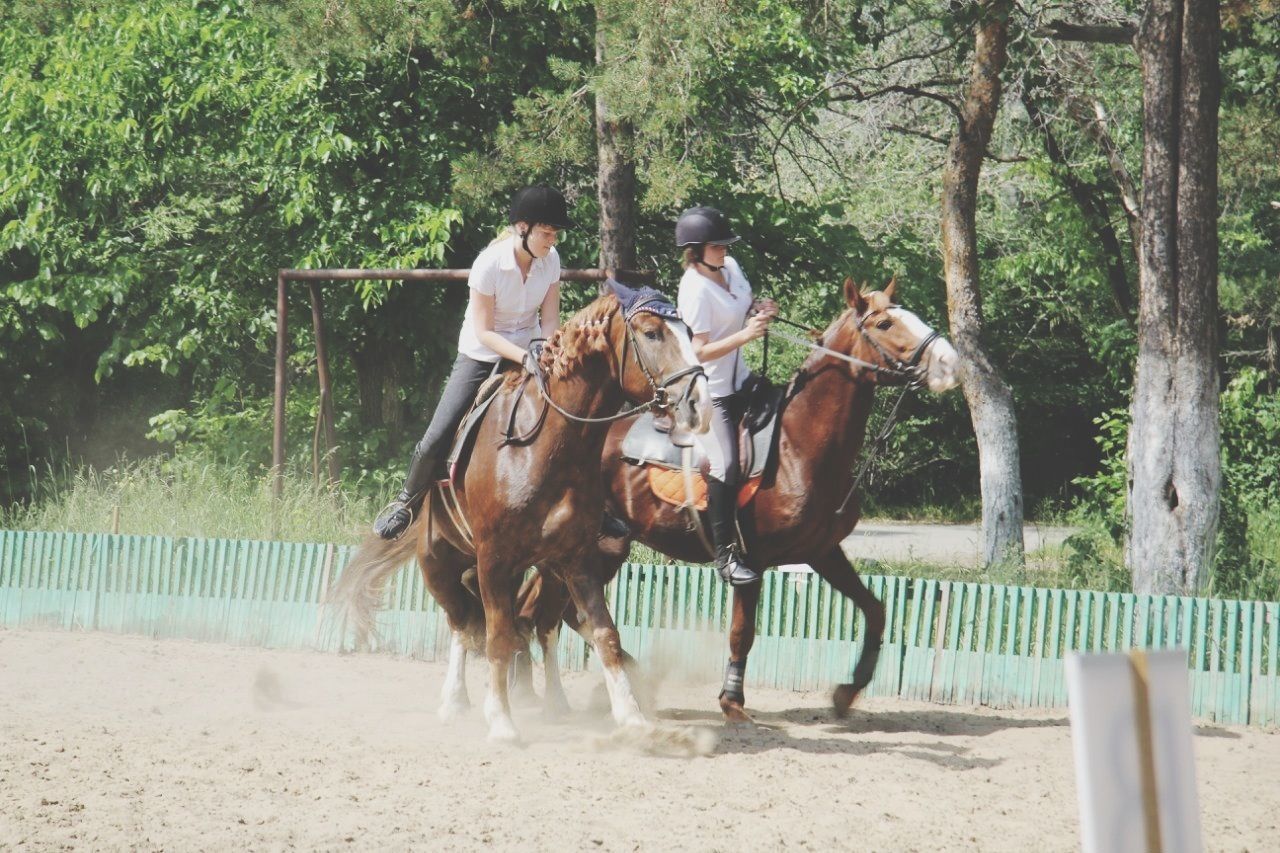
{"x":707,"y":308}
{"x":516,"y":302}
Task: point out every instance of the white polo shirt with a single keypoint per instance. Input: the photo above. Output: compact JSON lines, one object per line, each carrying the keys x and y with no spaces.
{"x":516,"y":302}
{"x":707,"y":308}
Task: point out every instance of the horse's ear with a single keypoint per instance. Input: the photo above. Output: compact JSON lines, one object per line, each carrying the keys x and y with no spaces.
{"x":890,"y":288}
{"x":853,"y":296}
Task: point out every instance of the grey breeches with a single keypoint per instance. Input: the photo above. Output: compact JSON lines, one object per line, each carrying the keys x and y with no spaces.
{"x":721,"y":443}
{"x":455,"y":401}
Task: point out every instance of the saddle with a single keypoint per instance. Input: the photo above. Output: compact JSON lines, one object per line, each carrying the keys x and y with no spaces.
{"x":464,"y":438}
{"x":648,"y":444}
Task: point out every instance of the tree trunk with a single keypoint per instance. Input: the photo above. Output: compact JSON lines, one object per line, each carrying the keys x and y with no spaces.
{"x":1174,"y":467}
{"x":989,"y":396}
{"x":616,"y":170}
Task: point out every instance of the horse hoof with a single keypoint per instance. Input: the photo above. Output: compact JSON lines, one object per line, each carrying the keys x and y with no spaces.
{"x":633,"y":722}
{"x":842,"y":699}
{"x":503,"y":731}
{"x":453,"y":710}
{"x":735,"y":714}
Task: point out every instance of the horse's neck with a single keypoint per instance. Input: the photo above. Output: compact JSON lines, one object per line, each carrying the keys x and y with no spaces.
{"x":589,"y":392}
{"x":825,"y":423}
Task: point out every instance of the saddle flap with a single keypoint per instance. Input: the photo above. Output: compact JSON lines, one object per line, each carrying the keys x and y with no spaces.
{"x":462,"y":438}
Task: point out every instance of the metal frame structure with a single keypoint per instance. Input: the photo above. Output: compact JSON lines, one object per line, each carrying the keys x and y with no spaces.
{"x":314,"y":278}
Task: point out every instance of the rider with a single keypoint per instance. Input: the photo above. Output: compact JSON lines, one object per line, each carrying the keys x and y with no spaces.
{"x":714,"y":301}
{"x":515,"y":298}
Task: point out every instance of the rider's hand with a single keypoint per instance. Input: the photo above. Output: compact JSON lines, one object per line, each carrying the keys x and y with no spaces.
{"x":765,"y":306}
{"x":757,"y":325}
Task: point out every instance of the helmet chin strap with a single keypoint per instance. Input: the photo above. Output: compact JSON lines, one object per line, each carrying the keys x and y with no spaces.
{"x":524,"y":241}
{"x":701,"y":260}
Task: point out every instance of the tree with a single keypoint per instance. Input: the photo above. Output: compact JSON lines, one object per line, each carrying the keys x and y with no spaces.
{"x":615,"y":166}
{"x":1174,"y":443}
{"x":988,"y":394}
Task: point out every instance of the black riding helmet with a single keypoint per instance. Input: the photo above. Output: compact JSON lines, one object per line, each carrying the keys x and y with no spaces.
{"x":699,"y":227}
{"x":703,"y":225}
{"x":539,"y":205}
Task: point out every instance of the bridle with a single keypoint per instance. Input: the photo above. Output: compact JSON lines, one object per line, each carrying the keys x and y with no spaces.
{"x":908,"y":370}
{"x":660,"y":387}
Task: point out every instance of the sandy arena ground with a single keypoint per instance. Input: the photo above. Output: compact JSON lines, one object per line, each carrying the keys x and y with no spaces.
{"x":110,"y":742}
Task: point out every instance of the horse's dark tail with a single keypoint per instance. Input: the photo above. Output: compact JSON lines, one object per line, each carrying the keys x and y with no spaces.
{"x":352,"y":606}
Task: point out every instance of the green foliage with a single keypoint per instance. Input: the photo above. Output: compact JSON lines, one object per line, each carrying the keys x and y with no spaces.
{"x":160,"y":159}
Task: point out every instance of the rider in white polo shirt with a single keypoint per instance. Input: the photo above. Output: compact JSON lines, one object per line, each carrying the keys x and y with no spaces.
{"x":714,"y":300}
{"x":515,"y":297}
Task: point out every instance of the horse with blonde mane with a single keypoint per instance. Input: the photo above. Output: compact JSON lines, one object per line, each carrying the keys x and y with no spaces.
{"x":531,"y":494}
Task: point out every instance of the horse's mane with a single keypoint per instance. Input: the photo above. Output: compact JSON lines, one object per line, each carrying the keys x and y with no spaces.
{"x":584,"y":334}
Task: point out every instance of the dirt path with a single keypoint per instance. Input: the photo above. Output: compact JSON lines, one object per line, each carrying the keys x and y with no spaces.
{"x":110,"y":742}
{"x":949,"y":544}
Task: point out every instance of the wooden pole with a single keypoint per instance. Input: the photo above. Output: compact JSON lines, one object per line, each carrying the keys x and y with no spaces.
{"x":1146,"y":749}
{"x":282,"y":343}
{"x":326,"y":384}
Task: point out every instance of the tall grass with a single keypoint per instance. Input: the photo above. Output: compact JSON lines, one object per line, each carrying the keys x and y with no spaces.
{"x":195,"y":496}
{"x":191,"y":496}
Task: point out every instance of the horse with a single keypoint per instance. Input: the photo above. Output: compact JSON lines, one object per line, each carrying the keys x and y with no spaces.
{"x":528,"y":495}
{"x":806,"y":504}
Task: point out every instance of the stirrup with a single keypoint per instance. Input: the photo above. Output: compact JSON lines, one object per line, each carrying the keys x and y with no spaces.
{"x":735,"y":572}
{"x":394,"y":519}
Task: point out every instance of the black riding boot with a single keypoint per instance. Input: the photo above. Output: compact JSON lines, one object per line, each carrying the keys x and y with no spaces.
{"x":396,"y":516}
{"x":721,"y":506}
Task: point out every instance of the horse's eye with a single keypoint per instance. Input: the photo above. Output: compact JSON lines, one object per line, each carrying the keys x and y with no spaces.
{"x":651,"y":335}
{"x":883,"y":325}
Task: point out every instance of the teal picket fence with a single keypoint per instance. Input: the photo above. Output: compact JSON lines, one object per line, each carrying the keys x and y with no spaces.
{"x":946,"y":642}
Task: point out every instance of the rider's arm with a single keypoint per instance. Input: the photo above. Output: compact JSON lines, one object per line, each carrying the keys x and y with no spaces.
{"x":550,"y":316}
{"x":482,"y":317}
{"x":707,"y":350}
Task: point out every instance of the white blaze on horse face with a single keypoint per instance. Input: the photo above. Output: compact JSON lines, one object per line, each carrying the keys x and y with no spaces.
{"x":696,"y":417}
{"x":940,"y":361}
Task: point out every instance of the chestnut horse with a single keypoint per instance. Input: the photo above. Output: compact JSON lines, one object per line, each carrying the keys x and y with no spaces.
{"x":534,"y":499}
{"x":796,"y":515}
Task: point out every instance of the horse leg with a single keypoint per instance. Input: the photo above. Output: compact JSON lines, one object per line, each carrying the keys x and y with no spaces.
{"x":501,"y":643}
{"x":742,"y":635}
{"x":542,"y":601}
{"x":588,"y":594}
{"x":442,"y":569}
{"x":835,"y":568}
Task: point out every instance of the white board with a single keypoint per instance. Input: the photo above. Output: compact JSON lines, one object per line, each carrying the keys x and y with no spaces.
{"x":1105,"y":736}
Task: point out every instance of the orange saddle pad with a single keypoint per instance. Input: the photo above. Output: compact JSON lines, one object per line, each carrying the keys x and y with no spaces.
{"x":668,"y":485}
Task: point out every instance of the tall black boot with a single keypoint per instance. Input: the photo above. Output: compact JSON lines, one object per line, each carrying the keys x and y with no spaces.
{"x":396,"y":516}
{"x":721,"y":506}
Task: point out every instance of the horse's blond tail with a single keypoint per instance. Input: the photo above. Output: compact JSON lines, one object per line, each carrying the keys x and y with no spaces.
{"x":353,"y":602}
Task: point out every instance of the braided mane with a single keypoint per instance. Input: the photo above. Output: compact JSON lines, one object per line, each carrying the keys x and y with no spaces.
{"x":585,"y":334}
